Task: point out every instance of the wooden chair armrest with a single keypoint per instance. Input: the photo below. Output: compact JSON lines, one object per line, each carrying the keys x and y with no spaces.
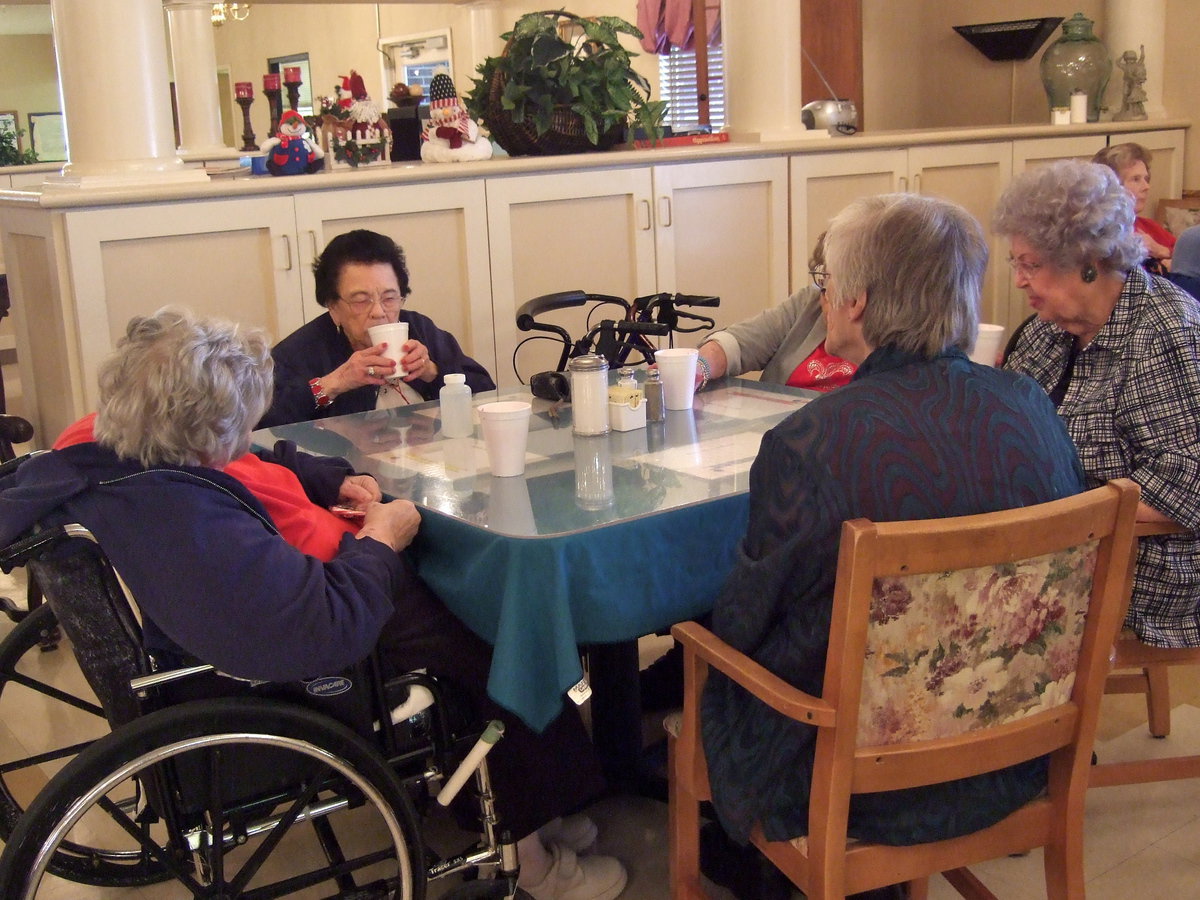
{"x":1144,"y":529}
{"x":761,"y":682}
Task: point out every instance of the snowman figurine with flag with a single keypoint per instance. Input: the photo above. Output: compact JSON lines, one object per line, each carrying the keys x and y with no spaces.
{"x":449,"y":134}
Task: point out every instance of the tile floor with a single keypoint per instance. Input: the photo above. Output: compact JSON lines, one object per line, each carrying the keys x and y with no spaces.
{"x":1140,"y":839}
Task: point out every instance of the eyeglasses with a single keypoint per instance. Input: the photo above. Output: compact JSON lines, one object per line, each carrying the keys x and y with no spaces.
{"x":820,"y":277}
{"x":390,"y":301}
{"x":1021,"y":267}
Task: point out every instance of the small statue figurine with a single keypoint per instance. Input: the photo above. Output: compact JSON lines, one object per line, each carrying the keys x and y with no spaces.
{"x":450,"y":135}
{"x":292,"y":151}
{"x":1133,"y":100}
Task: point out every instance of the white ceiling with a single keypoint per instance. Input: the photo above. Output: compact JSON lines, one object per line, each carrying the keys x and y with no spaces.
{"x":24,"y":18}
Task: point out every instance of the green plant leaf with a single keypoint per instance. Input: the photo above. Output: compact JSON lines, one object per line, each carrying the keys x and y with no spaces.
{"x":546,"y":48}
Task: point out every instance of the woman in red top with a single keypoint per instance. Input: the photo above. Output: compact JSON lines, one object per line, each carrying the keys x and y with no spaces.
{"x":787,"y":342}
{"x":1131,"y":162}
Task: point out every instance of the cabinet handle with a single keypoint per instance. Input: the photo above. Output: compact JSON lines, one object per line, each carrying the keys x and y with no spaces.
{"x":644,"y":207}
{"x":917,"y":183}
{"x":312,"y":236}
{"x":664,"y":211}
{"x":287,"y":245}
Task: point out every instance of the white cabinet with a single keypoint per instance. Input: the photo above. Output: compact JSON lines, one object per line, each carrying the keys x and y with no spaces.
{"x":704,"y":228}
{"x":233,"y":258}
{"x":442,"y":228}
{"x":972,"y":175}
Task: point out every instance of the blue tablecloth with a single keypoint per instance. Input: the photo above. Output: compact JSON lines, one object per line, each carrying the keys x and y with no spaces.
{"x":536,"y":599}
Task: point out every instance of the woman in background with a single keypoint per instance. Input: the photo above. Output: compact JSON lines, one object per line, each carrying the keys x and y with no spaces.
{"x":1131,"y":162}
{"x":786,"y":342}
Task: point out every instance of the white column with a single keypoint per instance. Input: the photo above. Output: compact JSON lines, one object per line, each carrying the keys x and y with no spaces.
{"x":485,"y":30}
{"x":1130,"y":25}
{"x":112,"y":62}
{"x":762,"y":69}
{"x":194,"y":59}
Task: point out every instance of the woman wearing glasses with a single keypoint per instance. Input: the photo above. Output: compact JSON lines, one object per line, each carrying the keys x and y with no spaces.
{"x":786,"y":342}
{"x":1118,"y":351}
{"x":329,"y":367}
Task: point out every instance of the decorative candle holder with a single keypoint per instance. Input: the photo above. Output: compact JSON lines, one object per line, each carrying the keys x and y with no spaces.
{"x":276,"y":107}
{"x":293,"y":92}
{"x":247,"y":131}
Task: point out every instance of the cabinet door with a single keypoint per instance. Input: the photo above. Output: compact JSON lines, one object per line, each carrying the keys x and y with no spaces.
{"x":589,"y":230}
{"x":973,"y":176}
{"x":235,"y":259}
{"x":721,"y":228}
{"x":443,"y":231}
{"x":1037,"y":151}
{"x":823,"y":183}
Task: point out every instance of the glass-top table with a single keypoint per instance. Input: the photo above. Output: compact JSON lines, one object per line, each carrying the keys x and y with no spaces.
{"x":603,"y":539}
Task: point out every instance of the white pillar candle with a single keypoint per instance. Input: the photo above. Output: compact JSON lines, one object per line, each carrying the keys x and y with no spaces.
{"x":1079,"y":107}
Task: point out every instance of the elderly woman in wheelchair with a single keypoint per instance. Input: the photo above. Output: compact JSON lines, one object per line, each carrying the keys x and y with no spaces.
{"x":218,"y":587}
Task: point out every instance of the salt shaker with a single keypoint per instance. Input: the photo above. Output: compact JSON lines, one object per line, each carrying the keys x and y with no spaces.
{"x":655,"y":400}
{"x":589,"y":394}
{"x":626,"y":378}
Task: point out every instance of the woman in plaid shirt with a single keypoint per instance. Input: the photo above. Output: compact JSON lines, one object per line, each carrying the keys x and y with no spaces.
{"x":1118,"y":351}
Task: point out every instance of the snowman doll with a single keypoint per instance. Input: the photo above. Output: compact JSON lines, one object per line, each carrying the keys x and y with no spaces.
{"x":292,"y":151}
{"x":449,"y":135}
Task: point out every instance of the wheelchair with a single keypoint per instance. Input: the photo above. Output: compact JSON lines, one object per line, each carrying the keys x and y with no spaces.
{"x":233,"y":789}
{"x":621,"y":341}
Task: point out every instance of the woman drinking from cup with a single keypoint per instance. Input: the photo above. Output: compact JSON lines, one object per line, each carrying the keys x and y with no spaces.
{"x":331,"y":367}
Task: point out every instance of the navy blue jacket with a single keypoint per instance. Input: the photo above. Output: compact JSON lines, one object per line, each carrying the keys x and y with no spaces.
{"x":317,"y":348}
{"x":210,"y":573}
{"x":908,"y":438}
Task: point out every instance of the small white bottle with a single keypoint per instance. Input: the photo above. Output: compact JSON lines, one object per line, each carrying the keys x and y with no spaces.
{"x":455,"y":400}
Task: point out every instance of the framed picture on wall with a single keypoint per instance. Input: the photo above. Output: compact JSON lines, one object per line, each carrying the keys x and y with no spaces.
{"x":8,"y":124}
{"x":47,"y":136}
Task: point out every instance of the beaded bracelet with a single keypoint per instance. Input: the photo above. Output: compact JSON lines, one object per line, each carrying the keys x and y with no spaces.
{"x":318,"y":391}
{"x":705,"y":372}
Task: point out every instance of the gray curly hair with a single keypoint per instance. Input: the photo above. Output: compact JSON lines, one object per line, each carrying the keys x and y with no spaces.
{"x":184,"y":390}
{"x":1074,"y":213}
{"x":920,"y":261}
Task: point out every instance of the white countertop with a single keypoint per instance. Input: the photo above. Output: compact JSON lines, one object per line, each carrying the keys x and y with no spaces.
{"x":64,"y":197}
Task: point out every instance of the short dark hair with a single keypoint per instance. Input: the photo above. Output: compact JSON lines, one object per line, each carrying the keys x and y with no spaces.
{"x":358,"y":246}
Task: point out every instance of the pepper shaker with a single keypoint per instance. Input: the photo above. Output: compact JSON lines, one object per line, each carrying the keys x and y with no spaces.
{"x":655,"y":399}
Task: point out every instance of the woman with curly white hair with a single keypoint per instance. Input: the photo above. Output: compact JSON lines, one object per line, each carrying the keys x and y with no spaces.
{"x":216,"y":580}
{"x":1118,"y":351}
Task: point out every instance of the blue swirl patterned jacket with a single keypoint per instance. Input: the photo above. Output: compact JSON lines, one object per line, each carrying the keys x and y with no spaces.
{"x":908,"y":438}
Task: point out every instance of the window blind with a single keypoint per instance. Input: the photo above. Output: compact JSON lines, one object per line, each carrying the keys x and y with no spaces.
{"x":677,"y":85}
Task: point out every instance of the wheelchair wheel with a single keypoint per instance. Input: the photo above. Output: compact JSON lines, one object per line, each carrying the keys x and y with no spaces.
{"x":59,"y":715}
{"x":235,"y":798}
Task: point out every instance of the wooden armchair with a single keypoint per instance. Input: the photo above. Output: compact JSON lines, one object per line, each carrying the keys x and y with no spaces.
{"x":1178,"y":215}
{"x":1151,"y":665}
{"x":1064,"y":564}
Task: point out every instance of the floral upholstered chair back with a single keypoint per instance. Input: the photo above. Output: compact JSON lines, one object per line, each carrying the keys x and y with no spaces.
{"x":952,"y":652}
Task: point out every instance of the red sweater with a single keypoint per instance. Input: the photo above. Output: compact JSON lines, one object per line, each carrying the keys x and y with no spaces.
{"x":309,"y":528}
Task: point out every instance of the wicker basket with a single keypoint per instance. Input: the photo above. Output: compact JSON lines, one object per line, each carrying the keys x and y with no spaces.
{"x":566,"y":134}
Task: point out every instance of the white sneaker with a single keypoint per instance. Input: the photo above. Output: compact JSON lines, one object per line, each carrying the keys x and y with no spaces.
{"x":576,"y":832}
{"x":572,"y":878}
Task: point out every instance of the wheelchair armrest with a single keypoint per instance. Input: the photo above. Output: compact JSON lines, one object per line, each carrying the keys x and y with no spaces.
{"x":20,"y":552}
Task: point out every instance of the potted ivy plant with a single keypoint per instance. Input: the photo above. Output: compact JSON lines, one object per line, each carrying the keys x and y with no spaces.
{"x":10,"y":153}
{"x":546,"y":94}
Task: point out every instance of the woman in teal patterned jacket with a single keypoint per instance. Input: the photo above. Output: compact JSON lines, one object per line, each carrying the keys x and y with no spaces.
{"x":920,"y":432}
